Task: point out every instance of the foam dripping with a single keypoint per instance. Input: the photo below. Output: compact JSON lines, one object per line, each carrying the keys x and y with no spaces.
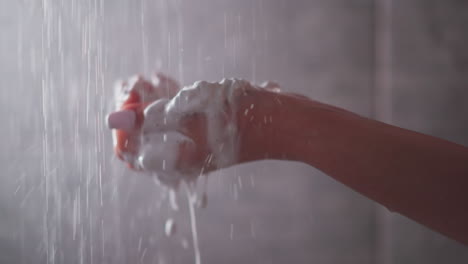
{"x":191,"y":194}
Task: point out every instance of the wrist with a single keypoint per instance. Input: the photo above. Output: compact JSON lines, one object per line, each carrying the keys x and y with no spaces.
{"x":288,"y":127}
{"x":263,"y":121}
{"x":254,"y":136}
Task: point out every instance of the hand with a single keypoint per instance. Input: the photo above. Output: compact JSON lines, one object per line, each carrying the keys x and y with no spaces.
{"x":182,"y":134}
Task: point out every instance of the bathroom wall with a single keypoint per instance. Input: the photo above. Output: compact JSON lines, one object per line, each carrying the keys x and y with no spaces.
{"x":64,"y":198}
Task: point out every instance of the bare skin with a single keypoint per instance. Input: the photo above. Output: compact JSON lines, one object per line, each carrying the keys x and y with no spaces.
{"x":419,"y":176}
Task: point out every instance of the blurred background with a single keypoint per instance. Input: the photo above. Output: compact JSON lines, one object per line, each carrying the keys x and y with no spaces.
{"x":64,"y":198}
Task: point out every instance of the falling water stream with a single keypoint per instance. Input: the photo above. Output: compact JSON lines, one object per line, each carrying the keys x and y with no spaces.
{"x":192,"y":200}
{"x":75,"y":51}
{"x":66,"y":198}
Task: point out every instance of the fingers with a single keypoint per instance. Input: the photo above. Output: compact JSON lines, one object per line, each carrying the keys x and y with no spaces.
{"x":197,"y":113}
{"x":160,"y":120}
{"x":213,"y":102}
{"x":165,"y":114}
{"x":170,"y":140}
{"x":155,"y":118}
{"x":160,"y":151}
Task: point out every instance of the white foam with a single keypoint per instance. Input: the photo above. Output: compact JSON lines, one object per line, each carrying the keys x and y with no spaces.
{"x":159,"y":151}
{"x":160,"y":139}
{"x":191,"y":199}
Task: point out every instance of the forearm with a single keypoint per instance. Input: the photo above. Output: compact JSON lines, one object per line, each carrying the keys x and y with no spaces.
{"x":422,"y":177}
